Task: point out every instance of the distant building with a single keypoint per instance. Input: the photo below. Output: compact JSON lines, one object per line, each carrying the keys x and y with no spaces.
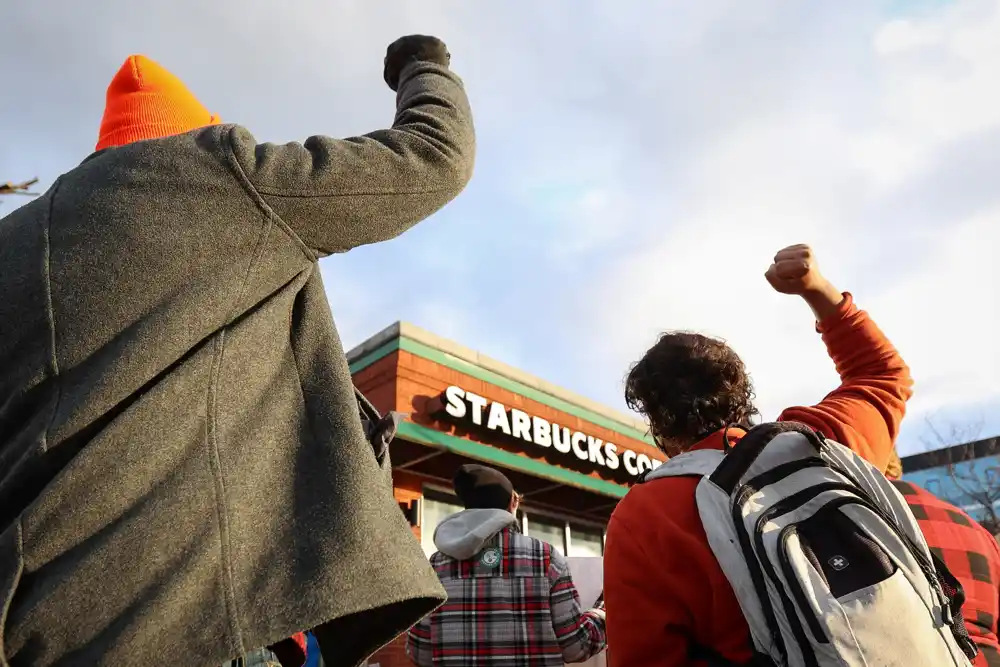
{"x":966,"y":475}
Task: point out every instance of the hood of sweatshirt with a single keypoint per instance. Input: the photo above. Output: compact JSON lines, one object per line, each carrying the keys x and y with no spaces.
{"x":463,"y":535}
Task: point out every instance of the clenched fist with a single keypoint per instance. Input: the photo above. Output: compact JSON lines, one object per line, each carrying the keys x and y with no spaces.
{"x":407,"y":49}
{"x":795,"y":271}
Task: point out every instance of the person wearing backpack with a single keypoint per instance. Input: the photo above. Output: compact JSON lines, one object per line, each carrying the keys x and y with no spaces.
{"x":183,"y":467}
{"x":511,"y":598}
{"x":774,"y":544}
{"x":971,"y":553}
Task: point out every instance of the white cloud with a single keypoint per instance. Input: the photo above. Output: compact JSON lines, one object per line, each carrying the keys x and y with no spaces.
{"x":844,"y":183}
{"x":938,"y":83}
{"x":946,"y":318}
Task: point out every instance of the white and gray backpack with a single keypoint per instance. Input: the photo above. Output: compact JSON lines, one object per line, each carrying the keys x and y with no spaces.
{"x":828,"y":564}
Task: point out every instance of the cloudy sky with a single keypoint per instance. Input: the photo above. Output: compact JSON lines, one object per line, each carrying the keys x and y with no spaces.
{"x":639,"y":164}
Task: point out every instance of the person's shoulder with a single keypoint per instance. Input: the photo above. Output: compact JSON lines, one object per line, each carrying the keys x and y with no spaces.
{"x":531,"y":556}
{"x":664,"y":500}
{"x":216,"y":140}
{"x":916,"y":495}
{"x":202,"y":147}
{"x":441,"y":562}
{"x":528,"y":544}
{"x":938,"y":510}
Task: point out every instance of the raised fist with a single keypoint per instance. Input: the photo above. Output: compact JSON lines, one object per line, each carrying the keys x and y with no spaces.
{"x":795,"y":271}
{"x":407,"y":49}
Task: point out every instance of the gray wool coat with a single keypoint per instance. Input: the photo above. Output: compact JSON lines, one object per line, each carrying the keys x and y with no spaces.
{"x":183,"y":473}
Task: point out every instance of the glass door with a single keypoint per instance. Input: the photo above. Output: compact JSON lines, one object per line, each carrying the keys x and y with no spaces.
{"x":548,"y":530}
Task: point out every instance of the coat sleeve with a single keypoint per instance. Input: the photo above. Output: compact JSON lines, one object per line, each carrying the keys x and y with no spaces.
{"x":580,"y":633}
{"x":865,"y":411}
{"x":337,"y":194}
{"x":418,"y":643}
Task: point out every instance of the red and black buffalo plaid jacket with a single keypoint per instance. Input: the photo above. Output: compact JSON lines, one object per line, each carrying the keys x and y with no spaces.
{"x":972,"y":555}
{"x":512,"y":604}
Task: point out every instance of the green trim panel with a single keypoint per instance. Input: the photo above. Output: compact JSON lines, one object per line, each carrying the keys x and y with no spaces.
{"x":472,"y":370}
{"x":502,"y":457}
{"x":373,"y":356}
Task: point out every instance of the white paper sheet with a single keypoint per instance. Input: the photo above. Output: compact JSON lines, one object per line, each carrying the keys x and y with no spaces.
{"x":588,"y":575}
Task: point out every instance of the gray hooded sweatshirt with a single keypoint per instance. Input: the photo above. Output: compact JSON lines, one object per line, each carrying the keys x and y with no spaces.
{"x":511,"y":599}
{"x":463,"y":535}
{"x":183,"y":472}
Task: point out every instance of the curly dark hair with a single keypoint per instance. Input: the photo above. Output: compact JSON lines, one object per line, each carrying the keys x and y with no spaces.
{"x":688,"y":385}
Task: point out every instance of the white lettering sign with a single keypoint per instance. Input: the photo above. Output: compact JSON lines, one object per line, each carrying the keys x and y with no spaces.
{"x":464,"y":405}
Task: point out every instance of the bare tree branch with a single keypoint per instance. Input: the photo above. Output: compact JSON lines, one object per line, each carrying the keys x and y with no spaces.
{"x":18,"y":188}
{"x":963,"y":457}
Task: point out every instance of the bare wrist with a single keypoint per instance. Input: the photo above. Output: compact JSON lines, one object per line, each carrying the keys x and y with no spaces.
{"x":824,"y":300}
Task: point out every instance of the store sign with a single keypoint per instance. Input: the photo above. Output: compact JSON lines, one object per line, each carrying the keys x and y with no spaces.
{"x":468,"y":408}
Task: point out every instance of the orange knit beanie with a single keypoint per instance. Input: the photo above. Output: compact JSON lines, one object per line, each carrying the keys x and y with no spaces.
{"x":145,"y":101}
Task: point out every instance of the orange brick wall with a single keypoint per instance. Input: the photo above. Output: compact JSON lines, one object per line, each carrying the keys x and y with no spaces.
{"x":407,"y":488}
{"x":393,"y":655}
{"x":378,"y":382}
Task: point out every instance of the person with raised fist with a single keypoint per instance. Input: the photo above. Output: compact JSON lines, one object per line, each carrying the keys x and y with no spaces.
{"x":668,"y":601}
{"x":183,"y":467}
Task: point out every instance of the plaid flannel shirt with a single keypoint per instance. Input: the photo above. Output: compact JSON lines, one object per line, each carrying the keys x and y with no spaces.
{"x":513,"y":604}
{"x":972,"y":555}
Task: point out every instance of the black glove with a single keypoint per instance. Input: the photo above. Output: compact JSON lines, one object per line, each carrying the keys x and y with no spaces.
{"x":407,"y":49}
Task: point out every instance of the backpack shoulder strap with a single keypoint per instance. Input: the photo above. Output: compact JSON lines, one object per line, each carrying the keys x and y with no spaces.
{"x":700,"y":463}
{"x":725,"y":469}
{"x":752,"y":445}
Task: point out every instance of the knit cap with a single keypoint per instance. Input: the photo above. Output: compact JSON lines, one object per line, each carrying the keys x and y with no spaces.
{"x":480,"y":487}
{"x":145,"y":101}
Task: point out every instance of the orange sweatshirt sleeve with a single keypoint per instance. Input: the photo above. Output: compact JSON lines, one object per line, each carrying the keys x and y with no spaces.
{"x":865,"y":411}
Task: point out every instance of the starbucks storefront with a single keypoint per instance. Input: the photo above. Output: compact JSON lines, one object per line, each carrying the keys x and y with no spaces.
{"x":571,"y":458}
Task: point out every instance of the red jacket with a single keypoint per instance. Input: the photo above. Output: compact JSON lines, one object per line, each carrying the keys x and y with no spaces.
{"x":972,"y":555}
{"x":663,"y":587}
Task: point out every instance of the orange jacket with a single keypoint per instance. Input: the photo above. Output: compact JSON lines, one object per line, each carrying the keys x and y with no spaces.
{"x":664,"y":590}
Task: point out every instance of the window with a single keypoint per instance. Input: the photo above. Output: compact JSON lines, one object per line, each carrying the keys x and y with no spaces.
{"x":548,"y":530}
{"x":585,"y":541}
{"x":435,"y":510}
{"x":572,"y":539}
